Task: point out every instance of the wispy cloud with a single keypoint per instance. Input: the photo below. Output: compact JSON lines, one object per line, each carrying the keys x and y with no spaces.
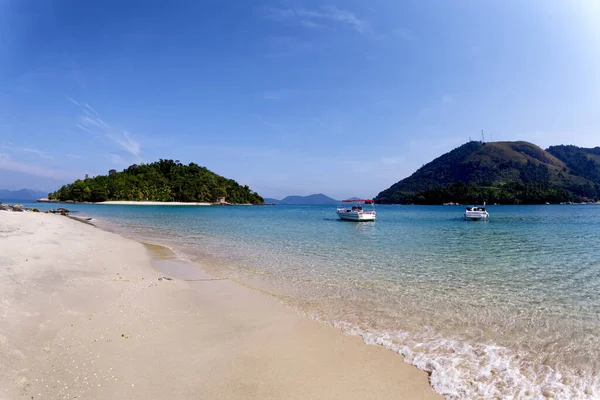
{"x":72,"y":100}
{"x":304,"y":94}
{"x":268,"y":122}
{"x":83,"y":128}
{"x":7,"y":163}
{"x":90,"y":121}
{"x":40,"y":153}
{"x":127,"y":143}
{"x":346,"y":17}
{"x":77,"y":156}
{"x":310,"y":24}
{"x":115,"y":159}
{"x":90,"y":109}
{"x":324,"y":16}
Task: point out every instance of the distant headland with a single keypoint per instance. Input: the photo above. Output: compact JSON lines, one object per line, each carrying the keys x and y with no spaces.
{"x":22,"y":194}
{"x":503,"y":173}
{"x":318,"y":198}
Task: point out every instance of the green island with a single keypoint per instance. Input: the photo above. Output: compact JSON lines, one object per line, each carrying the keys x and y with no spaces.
{"x":164,"y":181}
{"x":504,"y":173}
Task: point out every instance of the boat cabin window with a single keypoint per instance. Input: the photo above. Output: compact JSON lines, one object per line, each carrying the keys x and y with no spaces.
{"x":356,"y":208}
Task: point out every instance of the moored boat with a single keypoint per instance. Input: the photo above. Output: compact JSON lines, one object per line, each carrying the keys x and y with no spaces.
{"x":476,"y":213}
{"x":356,"y":211}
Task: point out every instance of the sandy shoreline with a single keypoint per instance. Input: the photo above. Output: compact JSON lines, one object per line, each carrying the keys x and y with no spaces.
{"x":152,"y":203}
{"x":85,"y":316}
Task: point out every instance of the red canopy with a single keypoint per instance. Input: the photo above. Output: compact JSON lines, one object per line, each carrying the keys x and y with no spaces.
{"x":358,"y":201}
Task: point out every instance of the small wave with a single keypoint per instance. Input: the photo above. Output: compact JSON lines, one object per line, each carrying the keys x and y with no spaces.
{"x":460,"y":370}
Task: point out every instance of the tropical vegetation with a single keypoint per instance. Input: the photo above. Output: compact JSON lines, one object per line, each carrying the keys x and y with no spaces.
{"x":504,"y":173}
{"x":165,"y":180}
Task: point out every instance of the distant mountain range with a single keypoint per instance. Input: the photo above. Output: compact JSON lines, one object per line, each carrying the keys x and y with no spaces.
{"x":23,"y":194}
{"x":319,"y":198}
{"x":502,"y":172}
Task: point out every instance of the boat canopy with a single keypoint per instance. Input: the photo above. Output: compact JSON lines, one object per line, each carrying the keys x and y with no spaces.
{"x":358,"y":201}
{"x":475,"y":208}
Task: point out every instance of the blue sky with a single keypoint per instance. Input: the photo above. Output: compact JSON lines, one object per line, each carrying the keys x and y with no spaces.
{"x":288,"y":97}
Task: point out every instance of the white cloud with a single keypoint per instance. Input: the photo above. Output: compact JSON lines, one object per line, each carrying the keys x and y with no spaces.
{"x":40,"y":153}
{"x":89,"y":108}
{"x":346,"y":17}
{"x":11,"y":165}
{"x":126,"y":142}
{"x":267,"y":122}
{"x":72,"y":100}
{"x":115,"y":159}
{"x":316,"y":18}
{"x":91,"y":123}
{"x":310,"y":24}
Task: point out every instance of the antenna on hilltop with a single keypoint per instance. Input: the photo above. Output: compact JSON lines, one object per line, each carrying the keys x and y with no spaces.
{"x":482,"y":138}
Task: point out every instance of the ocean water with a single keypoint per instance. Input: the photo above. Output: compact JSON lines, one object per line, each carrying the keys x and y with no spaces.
{"x":506,"y":308}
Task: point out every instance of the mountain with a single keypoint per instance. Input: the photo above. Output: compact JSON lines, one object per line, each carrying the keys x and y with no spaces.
{"x":582,"y":161}
{"x":496,"y":172}
{"x":165,"y":180}
{"x":319,"y":198}
{"x":23,"y":194}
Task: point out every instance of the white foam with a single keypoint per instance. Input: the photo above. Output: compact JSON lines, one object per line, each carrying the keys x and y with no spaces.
{"x":460,"y":370}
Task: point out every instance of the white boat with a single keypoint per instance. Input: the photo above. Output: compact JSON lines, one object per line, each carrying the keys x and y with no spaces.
{"x":476,"y":213}
{"x":356,"y":211}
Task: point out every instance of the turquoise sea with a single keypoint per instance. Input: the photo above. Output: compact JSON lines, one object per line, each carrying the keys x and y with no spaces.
{"x":508,"y":308}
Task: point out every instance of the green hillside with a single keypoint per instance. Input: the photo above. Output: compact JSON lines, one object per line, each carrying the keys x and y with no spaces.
{"x":165,"y":180}
{"x":495,"y":172}
{"x":582,"y":161}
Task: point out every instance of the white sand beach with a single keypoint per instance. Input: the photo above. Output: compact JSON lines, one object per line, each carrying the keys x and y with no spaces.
{"x":84,"y":316}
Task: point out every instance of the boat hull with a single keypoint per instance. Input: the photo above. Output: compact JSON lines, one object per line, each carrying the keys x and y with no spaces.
{"x":354,"y":216}
{"x":476,"y":216}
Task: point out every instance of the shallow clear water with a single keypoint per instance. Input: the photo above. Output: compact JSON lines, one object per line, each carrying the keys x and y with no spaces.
{"x":504,"y":308}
